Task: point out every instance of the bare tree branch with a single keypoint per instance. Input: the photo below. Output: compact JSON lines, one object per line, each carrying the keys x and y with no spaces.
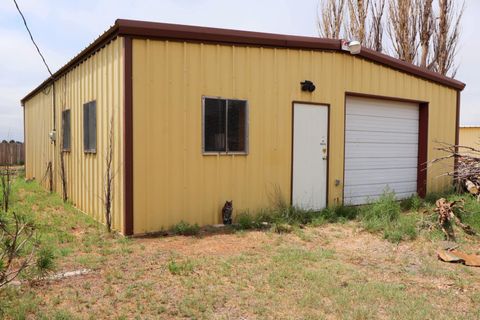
{"x":330,"y":18}
{"x":375,"y":38}
{"x":356,"y":26}
{"x":426,"y":26}
{"x":447,"y":37}
{"x":402,"y":28}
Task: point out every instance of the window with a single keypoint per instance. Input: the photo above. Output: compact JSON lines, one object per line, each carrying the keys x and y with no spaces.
{"x":66,"y":140}
{"x":90,"y":127}
{"x":224,"y":125}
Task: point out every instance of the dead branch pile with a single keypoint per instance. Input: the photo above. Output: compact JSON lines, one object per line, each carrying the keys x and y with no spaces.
{"x":467,"y":173}
{"x":446,"y":217}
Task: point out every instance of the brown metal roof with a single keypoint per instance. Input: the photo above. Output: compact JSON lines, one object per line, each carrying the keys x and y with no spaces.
{"x":154,"y":30}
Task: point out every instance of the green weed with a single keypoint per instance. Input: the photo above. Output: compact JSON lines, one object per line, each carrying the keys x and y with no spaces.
{"x":186,"y":229}
{"x":180,"y":267}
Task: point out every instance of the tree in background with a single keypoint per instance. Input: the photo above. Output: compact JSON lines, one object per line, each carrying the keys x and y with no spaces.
{"x":446,"y":37}
{"x":402,"y":29}
{"x":423,"y":32}
{"x":330,"y":18}
{"x":356,"y":25}
{"x":375,"y":34}
{"x":426,"y":26}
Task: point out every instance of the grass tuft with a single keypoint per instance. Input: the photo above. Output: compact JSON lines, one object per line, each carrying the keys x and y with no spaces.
{"x":181,"y":268}
{"x":385,"y":215}
{"x":186,"y":229}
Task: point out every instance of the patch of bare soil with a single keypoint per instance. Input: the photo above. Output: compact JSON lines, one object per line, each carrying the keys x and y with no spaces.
{"x":214,"y":245}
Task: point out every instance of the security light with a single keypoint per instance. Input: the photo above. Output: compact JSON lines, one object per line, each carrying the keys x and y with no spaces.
{"x":354,"y":46}
{"x":307,"y":85}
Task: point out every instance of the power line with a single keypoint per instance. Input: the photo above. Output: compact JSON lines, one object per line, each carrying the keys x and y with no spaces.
{"x":31,"y":37}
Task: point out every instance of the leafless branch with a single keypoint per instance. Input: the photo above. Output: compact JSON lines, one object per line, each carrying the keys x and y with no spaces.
{"x":375,"y":38}
{"x":402,"y":28}
{"x":447,"y":36}
{"x":356,"y":26}
{"x":330,"y":18}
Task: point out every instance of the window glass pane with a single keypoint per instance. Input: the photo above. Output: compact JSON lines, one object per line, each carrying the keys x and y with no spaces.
{"x":66,"y":129}
{"x":85,"y":126}
{"x":237,"y":116}
{"x":215,"y":125}
{"x":92,"y":127}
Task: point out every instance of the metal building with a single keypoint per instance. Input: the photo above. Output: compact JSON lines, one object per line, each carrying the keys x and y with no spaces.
{"x":203,"y":115}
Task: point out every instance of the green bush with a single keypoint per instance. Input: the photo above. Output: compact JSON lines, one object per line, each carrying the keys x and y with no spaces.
{"x":45,"y":260}
{"x":413,"y":203}
{"x":384,"y":215}
{"x":245,"y":221}
{"x":377,"y":215}
{"x":186,"y":229}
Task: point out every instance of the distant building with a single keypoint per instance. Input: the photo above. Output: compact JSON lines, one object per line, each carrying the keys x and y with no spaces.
{"x":470,"y":136}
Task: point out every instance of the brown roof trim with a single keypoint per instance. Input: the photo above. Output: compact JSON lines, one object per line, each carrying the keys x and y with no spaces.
{"x":143,"y":29}
{"x":99,"y":43}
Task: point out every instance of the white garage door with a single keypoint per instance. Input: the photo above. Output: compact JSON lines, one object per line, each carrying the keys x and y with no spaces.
{"x":381,"y":149}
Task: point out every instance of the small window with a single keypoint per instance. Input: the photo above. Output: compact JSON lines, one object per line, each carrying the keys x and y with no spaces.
{"x":66,"y":139}
{"x":90,"y":127}
{"x":224,"y":125}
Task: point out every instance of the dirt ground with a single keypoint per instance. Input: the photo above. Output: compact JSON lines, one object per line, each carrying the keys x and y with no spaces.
{"x":233,"y":276}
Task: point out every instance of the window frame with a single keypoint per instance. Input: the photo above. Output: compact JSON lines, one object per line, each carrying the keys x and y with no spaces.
{"x":247,"y":127}
{"x":85,"y":149}
{"x":64,"y":112}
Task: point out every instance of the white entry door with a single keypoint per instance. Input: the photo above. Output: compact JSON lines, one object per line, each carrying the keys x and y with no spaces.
{"x":310,"y":153}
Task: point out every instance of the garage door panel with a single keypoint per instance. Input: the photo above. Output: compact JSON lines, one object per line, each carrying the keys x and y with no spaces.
{"x":379,"y":189}
{"x":380,"y":163}
{"x":377,"y":124}
{"x":363,"y":200}
{"x":379,"y":108}
{"x":376,"y":150}
{"x":385,"y":137}
{"x":377,"y":176}
{"x":381,"y":149}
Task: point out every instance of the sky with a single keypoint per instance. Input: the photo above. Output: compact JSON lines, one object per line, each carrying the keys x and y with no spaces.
{"x":63,"y":28}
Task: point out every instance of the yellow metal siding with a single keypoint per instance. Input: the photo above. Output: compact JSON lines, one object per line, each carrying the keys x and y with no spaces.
{"x":173,"y":181}
{"x":100,"y":78}
{"x":470,"y":137}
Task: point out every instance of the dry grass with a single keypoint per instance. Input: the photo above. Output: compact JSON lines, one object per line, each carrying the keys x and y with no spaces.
{"x":333,"y":271}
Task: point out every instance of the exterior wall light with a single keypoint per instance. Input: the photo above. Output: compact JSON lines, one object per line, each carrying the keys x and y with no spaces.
{"x":354,"y":46}
{"x":307,"y":85}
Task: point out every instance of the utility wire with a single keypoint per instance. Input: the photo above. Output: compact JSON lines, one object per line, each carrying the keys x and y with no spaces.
{"x":31,"y":37}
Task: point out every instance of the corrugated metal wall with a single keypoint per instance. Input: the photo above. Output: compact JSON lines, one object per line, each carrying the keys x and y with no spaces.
{"x":174,"y":181}
{"x":470,"y":137}
{"x":99,"y":78}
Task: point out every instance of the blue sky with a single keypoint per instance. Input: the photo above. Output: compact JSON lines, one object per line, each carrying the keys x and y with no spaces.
{"x":63,"y":28}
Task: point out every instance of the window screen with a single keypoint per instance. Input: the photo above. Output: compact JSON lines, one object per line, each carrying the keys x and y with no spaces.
{"x":66,"y":140}
{"x":225,"y":125}
{"x":90,"y":126}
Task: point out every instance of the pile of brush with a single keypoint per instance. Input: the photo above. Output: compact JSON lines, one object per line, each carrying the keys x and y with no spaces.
{"x":467,"y":175}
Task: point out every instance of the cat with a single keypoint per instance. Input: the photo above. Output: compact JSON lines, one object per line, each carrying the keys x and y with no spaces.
{"x":227,"y":212}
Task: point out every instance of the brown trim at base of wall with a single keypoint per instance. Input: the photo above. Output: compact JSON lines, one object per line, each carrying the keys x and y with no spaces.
{"x":422,"y":150}
{"x":128,"y":139}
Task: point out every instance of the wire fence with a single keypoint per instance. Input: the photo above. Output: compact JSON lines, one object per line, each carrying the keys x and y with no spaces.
{"x":12,"y":153}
